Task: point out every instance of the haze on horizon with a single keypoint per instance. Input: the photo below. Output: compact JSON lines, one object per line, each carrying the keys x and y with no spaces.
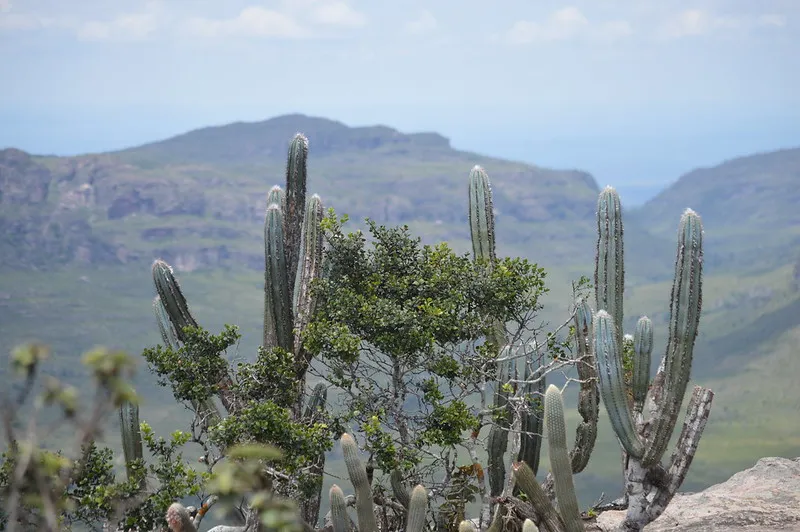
{"x":635,"y":92}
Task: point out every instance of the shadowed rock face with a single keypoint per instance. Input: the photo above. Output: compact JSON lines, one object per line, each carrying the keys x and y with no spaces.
{"x":765,"y":497}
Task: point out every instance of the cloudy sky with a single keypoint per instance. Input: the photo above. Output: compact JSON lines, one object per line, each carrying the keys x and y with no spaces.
{"x":635,"y":91}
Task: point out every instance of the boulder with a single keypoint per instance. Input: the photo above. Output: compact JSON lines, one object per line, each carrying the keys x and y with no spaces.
{"x":765,"y":497}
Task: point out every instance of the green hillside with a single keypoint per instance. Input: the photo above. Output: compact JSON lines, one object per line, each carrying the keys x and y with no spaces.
{"x":749,"y":207}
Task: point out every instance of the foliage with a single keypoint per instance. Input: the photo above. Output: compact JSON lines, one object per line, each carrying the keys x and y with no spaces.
{"x":400,"y":328}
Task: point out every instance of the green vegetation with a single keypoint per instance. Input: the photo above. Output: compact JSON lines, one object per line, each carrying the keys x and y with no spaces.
{"x":145,"y":203}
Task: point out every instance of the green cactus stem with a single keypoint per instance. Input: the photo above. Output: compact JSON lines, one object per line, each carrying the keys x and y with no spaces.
{"x":532,"y":421}
{"x":417,"y":510}
{"x":131,"y":435}
{"x":339,"y":517}
{"x":276,"y":197}
{"x":481,"y":215}
{"x":609,"y":273}
{"x":399,"y":488}
{"x":295,"y":204}
{"x":277,"y":309}
{"x":589,"y":395}
{"x":168,"y":334}
{"x":526,"y":481}
{"x":172,"y":298}
{"x":683,"y":323}
{"x":642,"y":350}
{"x":497,"y":442}
{"x":612,"y":383}
{"x":308,"y":269}
{"x":358,"y":476}
{"x":560,"y":463}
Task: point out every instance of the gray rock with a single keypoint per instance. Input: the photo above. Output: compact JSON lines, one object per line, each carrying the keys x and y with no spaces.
{"x":765,"y":497}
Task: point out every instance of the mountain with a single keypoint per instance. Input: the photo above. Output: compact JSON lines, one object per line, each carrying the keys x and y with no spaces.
{"x":749,"y":207}
{"x":198,"y":199}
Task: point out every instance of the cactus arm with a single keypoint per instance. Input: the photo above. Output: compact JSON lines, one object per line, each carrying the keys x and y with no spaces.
{"x":295,"y":203}
{"x":358,"y":476}
{"x":526,"y":481}
{"x":339,"y":517}
{"x":308,"y":269}
{"x":589,"y":395}
{"x":172,"y":298}
{"x":531,"y":437}
{"x":642,"y":349}
{"x":481,"y":215}
{"x":277,"y":309}
{"x":684,"y":320}
{"x":398,"y":488}
{"x":131,"y":435}
{"x":612,"y":385}
{"x":559,"y":460}
{"x":609,"y":273}
{"x":417,"y":510}
{"x":168,"y":334}
{"x":276,"y":197}
{"x":497,"y":442}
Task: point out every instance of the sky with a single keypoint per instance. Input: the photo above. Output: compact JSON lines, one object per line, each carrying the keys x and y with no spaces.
{"x":636,"y":92}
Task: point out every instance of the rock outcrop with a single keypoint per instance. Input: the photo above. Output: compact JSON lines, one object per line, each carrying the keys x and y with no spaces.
{"x":764,"y":498}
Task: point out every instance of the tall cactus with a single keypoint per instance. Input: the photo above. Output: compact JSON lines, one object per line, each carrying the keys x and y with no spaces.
{"x":131,"y":437}
{"x":292,"y":260}
{"x":645,"y":435}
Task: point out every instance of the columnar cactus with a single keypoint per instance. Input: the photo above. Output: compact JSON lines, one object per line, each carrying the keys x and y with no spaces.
{"x":482,"y":229}
{"x":645,"y":439}
{"x":293,"y":259}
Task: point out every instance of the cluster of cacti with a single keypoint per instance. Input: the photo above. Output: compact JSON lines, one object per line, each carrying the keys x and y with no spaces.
{"x":567,"y":518}
{"x":293,"y":257}
{"x":644,"y":427}
{"x":482,"y":229}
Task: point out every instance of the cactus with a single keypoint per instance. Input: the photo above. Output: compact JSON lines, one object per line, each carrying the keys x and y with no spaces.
{"x":532,"y":421}
{"x":292,"y":260}
{"x":642,"y":349}
{"x":645,"y":439}
{"x":131,"y":437}
{"x":529,"y":526}
{"x":358,"y":476}
{"x":467,"y":526}
{"x":559,"y":459}
{"x":399,"y":489}
{"x":417,"y":509}
{"x":339,"y":517}
{"x":589,"y":395}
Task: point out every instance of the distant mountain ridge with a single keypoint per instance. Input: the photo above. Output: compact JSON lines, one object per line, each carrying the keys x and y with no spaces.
{"x":199,"y":198}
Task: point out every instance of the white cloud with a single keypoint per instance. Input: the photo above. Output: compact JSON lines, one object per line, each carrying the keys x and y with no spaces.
{"x":770,"y":19}
{"x":339,"y":14}
{"x":424,"y":23}
{"x":250,"y":22}
{"x":566,"y":24}
{"x":127,"y":26}
{"x":696,"y":22}
{"x":5,"y":6}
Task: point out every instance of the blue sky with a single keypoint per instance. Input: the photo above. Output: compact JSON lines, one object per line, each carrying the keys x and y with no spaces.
{"x":634,"y":91}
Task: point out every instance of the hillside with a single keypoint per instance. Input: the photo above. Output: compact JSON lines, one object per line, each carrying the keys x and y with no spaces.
{"x":749,"y":207}
{"x":198,"y":199}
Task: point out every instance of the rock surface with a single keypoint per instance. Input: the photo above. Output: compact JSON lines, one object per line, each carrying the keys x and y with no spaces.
{"x":765,"y":497}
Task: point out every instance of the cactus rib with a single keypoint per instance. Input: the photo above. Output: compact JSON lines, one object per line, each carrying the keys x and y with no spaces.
{"x":277,"y":310}
{"x":642,"y":349}
{"x":609,"y":276}
{"x":417,"y":509}
{"x":588,"y":396}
